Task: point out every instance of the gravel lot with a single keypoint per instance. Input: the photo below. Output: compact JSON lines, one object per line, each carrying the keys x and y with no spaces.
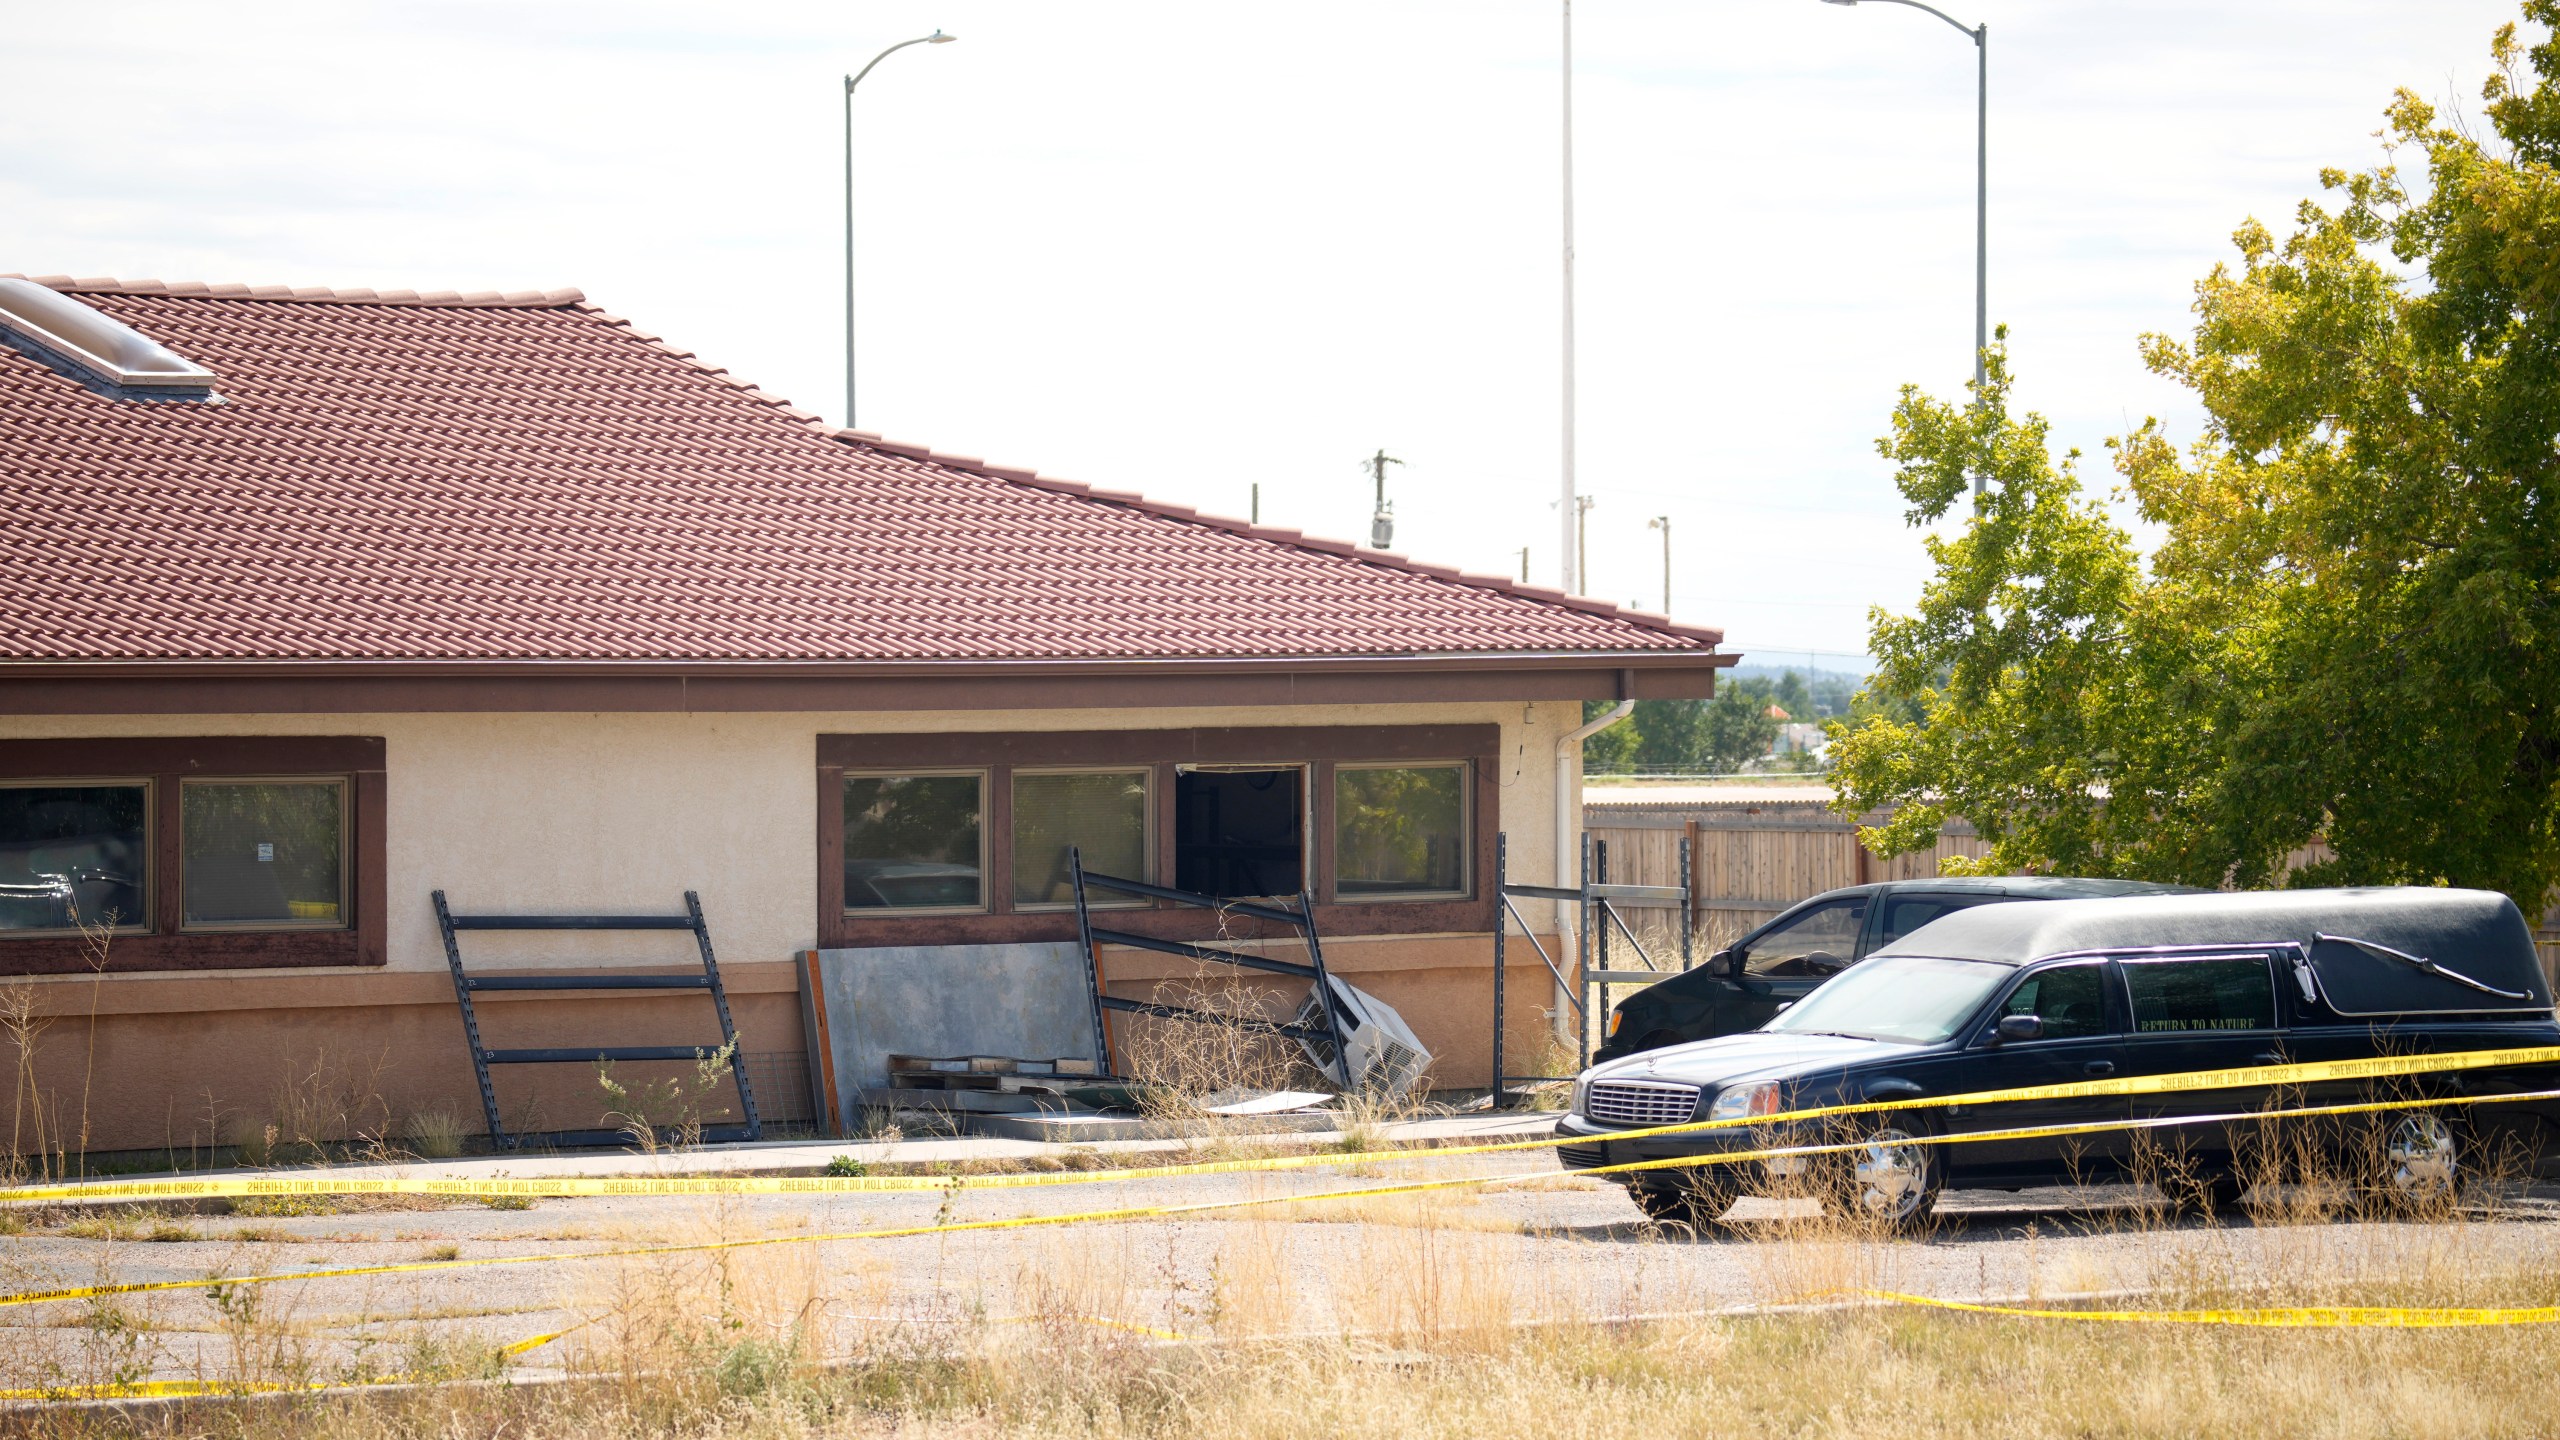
{"x":1563,"y":1247}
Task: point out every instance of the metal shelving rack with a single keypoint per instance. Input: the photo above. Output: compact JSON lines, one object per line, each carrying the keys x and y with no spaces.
{"x":482,"y":1057}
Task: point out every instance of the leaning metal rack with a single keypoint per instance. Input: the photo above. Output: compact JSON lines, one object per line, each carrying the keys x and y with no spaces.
{"x":466,"y":984}
{"x":1599,"y":901}
{"x":1326,"y":1041}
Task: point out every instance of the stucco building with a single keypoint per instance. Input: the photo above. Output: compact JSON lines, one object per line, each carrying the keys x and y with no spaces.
{"x":313,"y":603}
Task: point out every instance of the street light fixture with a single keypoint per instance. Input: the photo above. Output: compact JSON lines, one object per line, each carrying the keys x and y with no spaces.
{"x":850,"y":81}
{"x":1981,"y":37}
{"x":1663,"y":524}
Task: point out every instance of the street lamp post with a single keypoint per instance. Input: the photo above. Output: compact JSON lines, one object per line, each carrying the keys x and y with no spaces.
{"x":1663,"y":524}
{"x":850,"y":81}
{"x":1981,"y":37}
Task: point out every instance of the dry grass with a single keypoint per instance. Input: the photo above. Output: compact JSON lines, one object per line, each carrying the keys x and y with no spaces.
{"x":435,"y":1134}
{"x":1412,"y":1316}
{"x":1443,"y":1361}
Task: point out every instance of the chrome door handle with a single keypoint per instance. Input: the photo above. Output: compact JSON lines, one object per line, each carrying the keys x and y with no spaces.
{"x":2099,"y":1067}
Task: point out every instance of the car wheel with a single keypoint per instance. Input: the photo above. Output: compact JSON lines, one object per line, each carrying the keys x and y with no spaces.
{"x":2422,"y":1160}
{"x":1695,"y":1201}
{"x":1891,"y":1179}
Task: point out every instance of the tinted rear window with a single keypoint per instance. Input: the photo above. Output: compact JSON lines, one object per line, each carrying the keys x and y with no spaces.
{"x":1906,"y":913}
{"x":2173,"y":996}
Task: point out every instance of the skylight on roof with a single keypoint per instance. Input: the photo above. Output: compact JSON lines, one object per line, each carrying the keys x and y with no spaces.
{"x":61,"y":330}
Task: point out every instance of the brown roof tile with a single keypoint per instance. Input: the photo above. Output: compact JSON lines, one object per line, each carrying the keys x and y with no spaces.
{"x":432,"y":477}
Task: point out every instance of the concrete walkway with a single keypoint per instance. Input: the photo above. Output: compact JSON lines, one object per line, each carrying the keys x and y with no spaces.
{"x":807,"y":1157}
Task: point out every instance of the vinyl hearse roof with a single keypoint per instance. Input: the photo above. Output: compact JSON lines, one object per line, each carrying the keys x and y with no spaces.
{"x":2477,"y":933}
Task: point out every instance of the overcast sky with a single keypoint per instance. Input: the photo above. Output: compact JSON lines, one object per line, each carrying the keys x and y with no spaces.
{"x":1189,"y":248}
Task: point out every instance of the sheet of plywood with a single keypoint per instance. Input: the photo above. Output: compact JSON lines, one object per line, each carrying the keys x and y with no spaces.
{"x":1027,"y":1001}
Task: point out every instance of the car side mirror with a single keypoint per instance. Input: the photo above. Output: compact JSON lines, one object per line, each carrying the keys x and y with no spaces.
{"x":2019,"y":1027}
{"x":1725,"y":962}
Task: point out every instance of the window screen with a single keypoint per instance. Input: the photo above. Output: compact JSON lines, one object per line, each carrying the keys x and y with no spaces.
{"x":2170,"y":996}
{"x":1102,"y":814}
{"x":913,"y":842}
{"x":2070,"y":999}
{"x":1399,"y":831}
{"x":269,"y":853}
{"x":1821,"y":941}
{"x":1240,"y":832}
{"x":73,"y":855}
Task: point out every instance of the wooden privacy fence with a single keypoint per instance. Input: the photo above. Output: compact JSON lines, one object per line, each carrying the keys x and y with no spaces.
{"x":1755,"y":857}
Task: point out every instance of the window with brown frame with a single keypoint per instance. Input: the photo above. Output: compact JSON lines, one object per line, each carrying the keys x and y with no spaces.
{"x":75,"y":853}
{"x":1400,"y":831}
{"x":1383,"y":824}
{"x":915,"y":842}
{"x":216,"y":852}
{"x":1100,"y":815}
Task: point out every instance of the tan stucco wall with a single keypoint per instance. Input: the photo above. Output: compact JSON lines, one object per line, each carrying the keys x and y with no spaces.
{"x":616,"y":812}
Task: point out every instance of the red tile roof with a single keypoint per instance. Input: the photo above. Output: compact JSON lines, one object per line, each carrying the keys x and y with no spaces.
{"x":447,"y":477}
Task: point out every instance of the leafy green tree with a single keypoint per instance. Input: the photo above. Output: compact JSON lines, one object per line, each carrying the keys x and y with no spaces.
{"x":1739,"y":728}
{"x":1612,"y":751}
{"x":2347,"y":632}
{"x":1685,"y":736}
{"x":1792,"y":696}
{"x":1670,"y":735}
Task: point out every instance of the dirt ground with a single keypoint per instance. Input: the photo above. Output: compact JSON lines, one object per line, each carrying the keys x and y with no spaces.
{"x":1560,"y":1247}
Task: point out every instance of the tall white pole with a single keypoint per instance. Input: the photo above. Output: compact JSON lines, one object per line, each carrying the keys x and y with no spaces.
{"x":1981,"y":217}
{"x":1570,"y":512}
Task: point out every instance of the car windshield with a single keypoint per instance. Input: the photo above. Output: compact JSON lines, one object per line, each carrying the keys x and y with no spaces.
{"x":1910,"y":999}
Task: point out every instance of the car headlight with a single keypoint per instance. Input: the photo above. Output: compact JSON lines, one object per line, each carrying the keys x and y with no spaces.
{"x":1581,"y":1095}
{"x":1744,"y":1101}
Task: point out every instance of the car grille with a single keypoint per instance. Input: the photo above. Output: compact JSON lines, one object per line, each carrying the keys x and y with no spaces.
{"x":1641,"y":1102}
{"x":1580,"y":1157}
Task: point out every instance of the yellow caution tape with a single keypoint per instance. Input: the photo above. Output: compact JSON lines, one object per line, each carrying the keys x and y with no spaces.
{"x":598,"y":1187}
{"x":1147,"y":1212}
{"x":2322,"y":1317}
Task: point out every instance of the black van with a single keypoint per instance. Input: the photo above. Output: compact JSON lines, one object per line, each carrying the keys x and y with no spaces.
{"x":2025,"y":995}
{"x":1755,"y":977}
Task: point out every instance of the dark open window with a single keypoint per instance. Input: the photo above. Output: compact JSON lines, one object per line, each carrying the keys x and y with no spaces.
{"x":1239,"y":831}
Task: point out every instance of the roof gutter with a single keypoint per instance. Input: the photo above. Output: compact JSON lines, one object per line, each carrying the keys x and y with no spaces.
{"x":1568,"y":829}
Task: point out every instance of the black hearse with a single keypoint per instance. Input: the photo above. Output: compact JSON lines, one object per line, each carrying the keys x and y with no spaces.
{"x":1781,"y":962}
{"x":2017,"y":995}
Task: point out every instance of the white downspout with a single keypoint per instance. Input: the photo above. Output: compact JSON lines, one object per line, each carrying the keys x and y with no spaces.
{"x":1569,"y":852}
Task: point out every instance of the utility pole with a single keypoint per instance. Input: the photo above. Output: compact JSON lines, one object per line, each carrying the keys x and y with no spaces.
{"x":1382,"y":525}
{"x":1581,"y":531}
{"x":1524,"y":564}
{"x":1570,"y":511}
{"x":1663,"y":524}
{"x":1257,"y":502}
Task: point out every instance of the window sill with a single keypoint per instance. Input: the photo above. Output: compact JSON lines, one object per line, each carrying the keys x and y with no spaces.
{"x":225,"y":950}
